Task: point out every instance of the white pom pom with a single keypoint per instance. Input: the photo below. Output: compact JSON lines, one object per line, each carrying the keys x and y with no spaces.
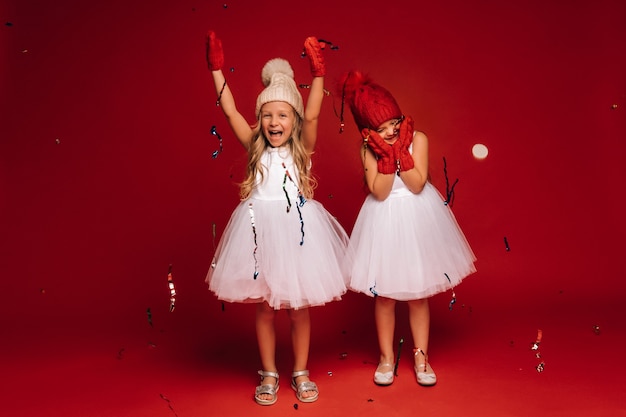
{"x":272,"y":67}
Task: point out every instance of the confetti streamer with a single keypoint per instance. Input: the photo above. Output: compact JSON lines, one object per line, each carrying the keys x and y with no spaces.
{"x":149,"y":314}
{"x":339,"y":115}
{"x":301,"y":201}
{"x":170,"y":283}
{"x":219,"y":96}
{"x":449,"y":189}
{"x":219,"y":138}
{"x":453,"y":300}
{"x":535,"y":347}
{"x":306,"y":86}
{"x":506,"y":244}
{"x":213,"y":227}
{"x":169,"y":404}
{"x":256,"y":269}
{"x":395,"y":368}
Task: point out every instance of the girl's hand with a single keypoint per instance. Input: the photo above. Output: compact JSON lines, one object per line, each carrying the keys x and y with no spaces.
{"x":316,"y":59}
{"x":402,"y":155}
{"x":384,"y":152}
{"x":214,"y":52}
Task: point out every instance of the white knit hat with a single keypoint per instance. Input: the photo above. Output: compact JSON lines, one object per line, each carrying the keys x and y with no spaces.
{"x":278,"y":78}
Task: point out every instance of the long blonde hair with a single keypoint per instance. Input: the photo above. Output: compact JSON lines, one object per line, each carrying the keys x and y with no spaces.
{"x":301,"y":158}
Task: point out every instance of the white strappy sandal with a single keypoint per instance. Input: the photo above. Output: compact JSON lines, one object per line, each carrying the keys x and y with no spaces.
{"x":384,"y":374}
{"x":303,"y":387}
{"x":424,"y":372}
{"x":266,"y":389}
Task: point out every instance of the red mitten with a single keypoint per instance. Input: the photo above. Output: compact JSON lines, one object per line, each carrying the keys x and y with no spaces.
{"x":316,"y":59}
{"x":382,"y":150}
{"x":214,"y":52}
{"x":401,"y":146}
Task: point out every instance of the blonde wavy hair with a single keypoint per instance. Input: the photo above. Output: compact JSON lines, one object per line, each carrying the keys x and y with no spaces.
{"x":301,"y":159}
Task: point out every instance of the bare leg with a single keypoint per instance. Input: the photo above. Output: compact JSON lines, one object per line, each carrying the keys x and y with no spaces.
{"x":266,"y":338}
{"x":385,"y":317}
{"x":419,"y":320}
{"x":301,"y":340}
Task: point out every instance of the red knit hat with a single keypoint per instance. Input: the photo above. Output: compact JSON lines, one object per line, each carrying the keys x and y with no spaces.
{"x":370,"y":104}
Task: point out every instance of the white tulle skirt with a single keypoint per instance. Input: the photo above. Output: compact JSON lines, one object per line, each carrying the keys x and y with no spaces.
{"x":267,"y":254}
{"x":408,"y":246}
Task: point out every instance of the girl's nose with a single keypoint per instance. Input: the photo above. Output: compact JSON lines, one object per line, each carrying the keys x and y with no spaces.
{"x":390,"y":131}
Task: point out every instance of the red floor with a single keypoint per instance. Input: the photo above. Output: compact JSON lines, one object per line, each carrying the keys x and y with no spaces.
{"x":195,"y":364}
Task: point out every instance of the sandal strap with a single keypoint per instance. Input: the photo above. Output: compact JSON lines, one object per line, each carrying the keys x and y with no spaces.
{"x":417,"y":351}
{"x":306,"y":386}
{"x":268,"y":373}
{"x":296,"y":374}
{"x":266,"y":389}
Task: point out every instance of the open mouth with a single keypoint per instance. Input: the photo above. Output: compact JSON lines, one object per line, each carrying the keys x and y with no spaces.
{"x":275,"y":137}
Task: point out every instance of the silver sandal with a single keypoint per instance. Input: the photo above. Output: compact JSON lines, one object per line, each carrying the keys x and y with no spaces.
{"x":268,"y":389}
{"x":303,"y":387}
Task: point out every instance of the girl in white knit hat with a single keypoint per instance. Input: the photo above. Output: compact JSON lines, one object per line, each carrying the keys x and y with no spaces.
{"x":281,"y":249}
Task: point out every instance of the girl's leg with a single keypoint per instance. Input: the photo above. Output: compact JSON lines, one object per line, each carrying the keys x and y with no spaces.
{"x":266,"y":338}
{"x":419,"y":320}
{"x":301,"y":340}
{"x":385,"y":317}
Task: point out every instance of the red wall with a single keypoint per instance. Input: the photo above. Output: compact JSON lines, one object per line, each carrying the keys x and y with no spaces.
{"x":106,"y":175}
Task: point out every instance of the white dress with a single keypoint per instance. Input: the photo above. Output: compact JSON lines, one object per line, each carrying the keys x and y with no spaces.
{"x":408,"y":246}
{"x":290,"y":258}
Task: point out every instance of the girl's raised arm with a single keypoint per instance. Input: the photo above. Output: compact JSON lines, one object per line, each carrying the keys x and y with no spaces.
{"x":225,"y":99}
{"x":316,"y":95}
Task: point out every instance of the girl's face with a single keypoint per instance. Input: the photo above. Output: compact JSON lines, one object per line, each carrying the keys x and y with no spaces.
{"x":389,"y":130}
{"x":277,"y":122}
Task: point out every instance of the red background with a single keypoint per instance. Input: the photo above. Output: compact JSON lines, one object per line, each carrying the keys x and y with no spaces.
{"x":106,"y":178}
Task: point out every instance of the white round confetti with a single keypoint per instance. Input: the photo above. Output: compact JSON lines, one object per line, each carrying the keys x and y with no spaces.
{"x":480,"y":151}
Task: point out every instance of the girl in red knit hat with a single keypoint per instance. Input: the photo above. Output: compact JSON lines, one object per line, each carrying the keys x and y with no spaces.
{"x":272,"y":249}
{"x":407,"y":244}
